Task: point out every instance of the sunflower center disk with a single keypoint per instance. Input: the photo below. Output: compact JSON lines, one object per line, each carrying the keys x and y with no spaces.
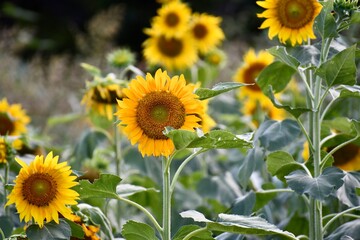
{"x":172,"y":19}
{"x":295,"y":14}
{"x":6,"y":125}
{"x":345,"y":154}
{"x":39,"y":189}
{"x":170,"y":47}
{"x":251,"y":73}
{"x":158,"y":110}
{"x":200,"y":31}
{"x":109,"y":99}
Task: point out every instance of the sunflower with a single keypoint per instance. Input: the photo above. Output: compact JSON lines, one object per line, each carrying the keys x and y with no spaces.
{"x":13,"y":119}
{"x":290,"y":19}
{"x":207,"y":123}
{"x":206,"y":31}
{"x":172,"y":53}
{"x":250,"y":69}
{"x":7,"y":148}
{"x":347,"y":158}
{"x":102,"y":99}
{"x":89,"y":230}
{"x":153,"y":103}
{"x":172,"y":19}
{"x":3,"y":150}
{"x":42,"y":190}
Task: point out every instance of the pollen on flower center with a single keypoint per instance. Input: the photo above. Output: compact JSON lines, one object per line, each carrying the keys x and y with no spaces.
{"x":295,"y":13}
{"x":200,"y":31}
{"x":39,"y":189}
{"x":6,"y":125}
{"x":172,"y":19}
{"x":158,"y":110}
{"x":170,"y":47}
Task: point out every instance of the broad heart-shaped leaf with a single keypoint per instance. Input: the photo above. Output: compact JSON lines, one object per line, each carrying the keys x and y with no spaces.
{"x":185,"y":230}
{"x":104,"y":187}
{"x":277,"y":75}
{"x":50,"y":231}
{"x":125,"y":190}
{"x":347,"y":192}
{"x":138,"y":231}
{"x":274,"y":135}
{"x":281,"y":163}
{"x":205,"y":93}
{"x":340,"y":69}
{"x":325,"y":23}
{"x":214,"y":139}
{"x":238,"y":224}
{"x":320,"y":187}
{"x":282,"y":55}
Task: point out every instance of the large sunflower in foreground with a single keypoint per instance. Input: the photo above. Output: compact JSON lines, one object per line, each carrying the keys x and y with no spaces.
{"x":290,"y":19}
{"x":102,"y":99}
{"x":206,"y":31}
{"x":13,"y":119}
{"x":172,"y":19}
{"x":172,"y":53}
{"x":252,"y":65}
{"x":153,"y":103}
{"x":43,"y":189}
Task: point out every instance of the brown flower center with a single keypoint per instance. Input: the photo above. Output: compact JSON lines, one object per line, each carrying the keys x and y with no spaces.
{"x":39,"y":189}
{"x":110,"y":98}
{"x":158,"y":110}
{"x":172,"y":19}
{"x":345,"y":154}
{"x":171,"y":47}
{"x":295,"y":14}
{"x":200,"y":31}
{"x":251,"y":73}
{"x":6,"y":124}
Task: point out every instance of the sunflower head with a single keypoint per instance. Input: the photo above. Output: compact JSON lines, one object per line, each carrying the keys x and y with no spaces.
{"x":153,"y":103}
{"x":252,"y":65}
{"x":42,"y":190}
{"x":347,"y":158}
{"x":13,"y":119}
{"x":121,"y":58}
{"x":290,"y":19}
{"x":216,"y":57}
{"x":206,"y":31}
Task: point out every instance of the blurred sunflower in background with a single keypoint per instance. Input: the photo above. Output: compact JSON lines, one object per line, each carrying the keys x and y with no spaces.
{"x":42,"y":190}
{"x":206,"y":31}
{"x":8,"y":148}
{"x":122,"y":57}
{"x":13,"y":119}
{"x":290,"y":19}
{"x":153,"y":103}
{"x":90,"y":231}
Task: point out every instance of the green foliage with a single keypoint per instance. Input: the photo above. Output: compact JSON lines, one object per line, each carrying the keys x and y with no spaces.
{"x":325,"y":23}
{"x":126,"y":190}
{"x":205,"y":93}
{"x":76,"y":229}
{"x":6,"y":225}
{"x":185,"y":230}
{"x":281,"y":163}
{"x":50,"y":231}
{"x":138,"y":231}
{"x":283,"y":56}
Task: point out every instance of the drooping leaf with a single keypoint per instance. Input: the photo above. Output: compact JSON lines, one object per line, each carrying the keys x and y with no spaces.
{"x":320,"y":187}
{"x":340,"y":69}
{"x":277,"y":75}
{"x":254,"y":157}
{"x":238,"y":224}
{"x":347,"y":192}
{"x":185,"y":230}
{"x":244,"y":205}
{"x":349,"y":91}
{"x":125,"y":190}
{"x":205,"y":93}
{"x":282,"y":55}
{"x":138,"y":231}
{"x":281,"y":163}
{"x":325,"y":23}
{"x":104,"y":187}
{"x":50,"y":231}
{"x":347,"y":231}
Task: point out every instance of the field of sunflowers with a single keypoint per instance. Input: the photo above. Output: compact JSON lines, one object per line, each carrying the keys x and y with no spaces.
{"x":192,"y":134}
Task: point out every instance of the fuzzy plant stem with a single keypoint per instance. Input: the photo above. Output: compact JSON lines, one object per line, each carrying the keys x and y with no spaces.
{"x":166,"y":199}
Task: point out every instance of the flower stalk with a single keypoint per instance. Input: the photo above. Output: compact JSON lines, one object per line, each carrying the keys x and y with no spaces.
{"x":166,"y":199}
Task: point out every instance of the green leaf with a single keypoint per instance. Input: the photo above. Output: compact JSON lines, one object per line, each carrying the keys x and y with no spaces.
{"x":126,"y":190}
{"x":349,"y":91}
{"x":320,"y":187}
{"x":263,"y":197}
{"x":347,"y":192}
{"x":63,"y":119}
{"x":205,"y":93}
{"x":76,"y":230}
{"x":325,"y":23}
{"x":238,"y":224}
{"x":281,"y":163}
{"x":104,"y":187}
{"x":6,"y":225}
{"x":277,"y":75}
{"x":96,"y":72}
{"x":97,"y":217}
{"x":138,"y":231}
{"x":355,"y":17}
{"x":282,"y":55}
{"x":181,"y":138}
{"x":185,"y":230}
{"x":340,"y":69}
{"x":50,"y":231}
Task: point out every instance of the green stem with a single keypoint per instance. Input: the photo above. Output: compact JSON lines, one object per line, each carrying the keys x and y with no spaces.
{"x":6,"y":180}
{"x":305,"y":132}
{"x":117,"y":145}
{"x":280,"y":190}
{"x":166,"y":200}
{"x":193,"y":233}
{"x":146,"y":212}
{"x":339,"y":215}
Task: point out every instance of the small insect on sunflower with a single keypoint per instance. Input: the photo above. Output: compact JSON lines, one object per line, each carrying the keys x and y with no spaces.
{"x":13,"y":119}
{"x":153,"y":103}
{"x":42,"y":190}
{"x":290,"y":19}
